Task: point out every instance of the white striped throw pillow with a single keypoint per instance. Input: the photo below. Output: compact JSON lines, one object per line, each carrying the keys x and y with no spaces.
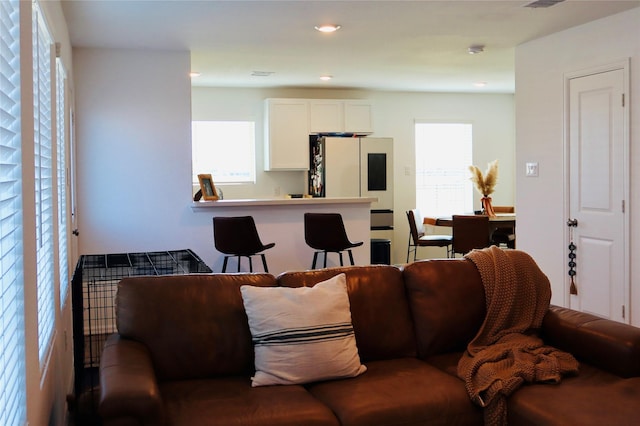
{"x":302,"y":335}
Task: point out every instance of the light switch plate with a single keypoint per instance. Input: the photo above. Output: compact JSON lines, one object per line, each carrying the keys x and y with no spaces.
{"x":531,"y":170}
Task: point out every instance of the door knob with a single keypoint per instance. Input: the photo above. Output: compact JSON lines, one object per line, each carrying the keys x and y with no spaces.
{"x":572,"y":223}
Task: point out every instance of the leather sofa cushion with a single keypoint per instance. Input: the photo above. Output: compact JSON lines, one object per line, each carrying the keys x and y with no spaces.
{"x":205,"y":335}
{"x":379,"y":310}
{"x":594,"y":340}
{"x":403,"y":391}
{"x":232,"y":401}
{"x":447,"y":302}
{"x":593,"y":397}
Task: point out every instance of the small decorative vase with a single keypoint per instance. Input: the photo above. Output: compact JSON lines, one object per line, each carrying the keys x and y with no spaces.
{"x":487,"y":207}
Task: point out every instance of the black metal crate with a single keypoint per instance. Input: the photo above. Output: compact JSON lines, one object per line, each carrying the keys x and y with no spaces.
{"x":94,"y":286}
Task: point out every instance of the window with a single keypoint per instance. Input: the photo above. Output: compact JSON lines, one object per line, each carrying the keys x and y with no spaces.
{"x":225,"y":149}
{"x":43,"y":180}
{"x":12,"y":368}
{"x":443,"y":157}
{"x":61,"y":131}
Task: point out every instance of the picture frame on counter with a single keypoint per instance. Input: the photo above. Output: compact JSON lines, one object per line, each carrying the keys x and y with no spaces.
{"x":208,"y":188}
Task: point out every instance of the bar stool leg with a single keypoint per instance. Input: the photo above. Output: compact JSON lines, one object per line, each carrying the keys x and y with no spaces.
{"x":315,"y":258}
{"x":351,"y":257}
{"x":250,"y":264}
{"x":224,"y":264}
{"x":340,"y":254}
{"x":264,"y":262}
{"x":239,"y":259}
{"x":325,"y":259}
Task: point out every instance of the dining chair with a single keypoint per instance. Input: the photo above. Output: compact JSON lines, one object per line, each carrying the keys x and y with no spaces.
{"x":504,"y":235}
{"x":504,"y":209}
{"x":238,"y":237}
{"x":325,"y":232}
{"x":470,"y":232}
{"x":418,"y":238}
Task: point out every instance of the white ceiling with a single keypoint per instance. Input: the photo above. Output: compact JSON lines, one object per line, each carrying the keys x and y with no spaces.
{"x":384,"y":45}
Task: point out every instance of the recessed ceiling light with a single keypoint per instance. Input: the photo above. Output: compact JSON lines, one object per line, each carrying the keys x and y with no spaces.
{"x":475,"y":49}
{"x":480,"y":83}
{"x":543,"y":3}
{"x":326,"y":77}
{"x":328,"y":28}
{"x":194,"y":74}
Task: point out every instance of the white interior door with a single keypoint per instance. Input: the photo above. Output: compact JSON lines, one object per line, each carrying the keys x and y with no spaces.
{"x":598,"y":179}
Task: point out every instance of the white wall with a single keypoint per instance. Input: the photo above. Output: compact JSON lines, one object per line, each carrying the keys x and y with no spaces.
{"x":492,"y":116}
{"x":540,"y":68}
{"x":133,"y":122}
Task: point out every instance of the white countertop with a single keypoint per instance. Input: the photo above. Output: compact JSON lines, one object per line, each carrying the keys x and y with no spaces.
{"x":253,"y":202}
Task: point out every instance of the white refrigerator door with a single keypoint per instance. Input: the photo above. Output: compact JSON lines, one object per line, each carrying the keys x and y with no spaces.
{"x":376,"y":172}
{"x":342,"y":167}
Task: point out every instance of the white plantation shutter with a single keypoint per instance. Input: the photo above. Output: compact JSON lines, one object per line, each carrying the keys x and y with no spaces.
{"x":12,"y":368}
{"x":63,"y":256}
{"x":42,"y":64}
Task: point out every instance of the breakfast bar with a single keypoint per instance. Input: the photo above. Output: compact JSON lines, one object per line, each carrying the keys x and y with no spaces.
{"x":280,"y":220}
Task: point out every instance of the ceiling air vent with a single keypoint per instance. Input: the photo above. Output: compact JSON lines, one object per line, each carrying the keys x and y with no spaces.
{"x":543,"y":3}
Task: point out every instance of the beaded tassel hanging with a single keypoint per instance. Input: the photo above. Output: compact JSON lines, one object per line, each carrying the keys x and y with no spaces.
{"x":573,"y":289}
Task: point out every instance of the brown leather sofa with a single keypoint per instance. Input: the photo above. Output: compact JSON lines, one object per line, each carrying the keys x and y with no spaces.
{"x":183,"y":355}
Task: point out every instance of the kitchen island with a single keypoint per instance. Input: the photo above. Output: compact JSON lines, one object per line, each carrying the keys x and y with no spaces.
{"x":281,"y":220}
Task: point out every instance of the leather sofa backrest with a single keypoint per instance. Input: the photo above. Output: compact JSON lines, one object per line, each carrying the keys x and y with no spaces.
{"x":195,"y":326}
{"x":379,"y":309}
{"x":447,"y":303}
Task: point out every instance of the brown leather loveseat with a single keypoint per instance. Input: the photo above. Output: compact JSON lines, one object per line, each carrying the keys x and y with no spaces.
{"x":184,"y":355}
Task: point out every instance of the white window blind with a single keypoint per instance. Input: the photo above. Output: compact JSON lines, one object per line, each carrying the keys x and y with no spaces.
{"x":225,"y":149}
{"x":63,"y":258}
{"x":443,"y":156}
{"x":42,"y":64}
{"x":12,"y":368}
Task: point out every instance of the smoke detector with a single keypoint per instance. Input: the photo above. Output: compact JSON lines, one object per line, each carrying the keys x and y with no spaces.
{"x":475,"y":49}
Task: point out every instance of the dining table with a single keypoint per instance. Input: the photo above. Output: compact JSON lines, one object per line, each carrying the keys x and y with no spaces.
{"x":505,"y":222}
{"x":500,"y":220}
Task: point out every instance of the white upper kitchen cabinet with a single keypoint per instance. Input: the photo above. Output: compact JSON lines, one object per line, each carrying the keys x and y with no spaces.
{"x":286,"y":134}
{"x":326,"y":116}
{"x":357,"y":117}
{"x":340,"y":116}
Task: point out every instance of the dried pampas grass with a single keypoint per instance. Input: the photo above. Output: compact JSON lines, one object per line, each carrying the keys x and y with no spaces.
{"x":485,"y":184}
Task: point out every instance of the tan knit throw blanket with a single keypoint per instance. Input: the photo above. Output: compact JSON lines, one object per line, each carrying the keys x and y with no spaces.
{"x":506,"y":351}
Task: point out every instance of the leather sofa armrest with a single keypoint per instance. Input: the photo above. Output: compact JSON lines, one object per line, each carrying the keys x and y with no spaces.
{"x":129,"y":391}
{"x":606,"y":344}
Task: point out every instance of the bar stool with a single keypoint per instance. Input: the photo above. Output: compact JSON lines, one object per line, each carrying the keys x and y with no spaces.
{"x":237,"y":237}
{"x":325,"y":233}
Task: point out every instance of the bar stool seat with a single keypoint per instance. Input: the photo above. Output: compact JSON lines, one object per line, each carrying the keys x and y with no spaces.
{"x":238,"y":237}
{"x":325,"y":232}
